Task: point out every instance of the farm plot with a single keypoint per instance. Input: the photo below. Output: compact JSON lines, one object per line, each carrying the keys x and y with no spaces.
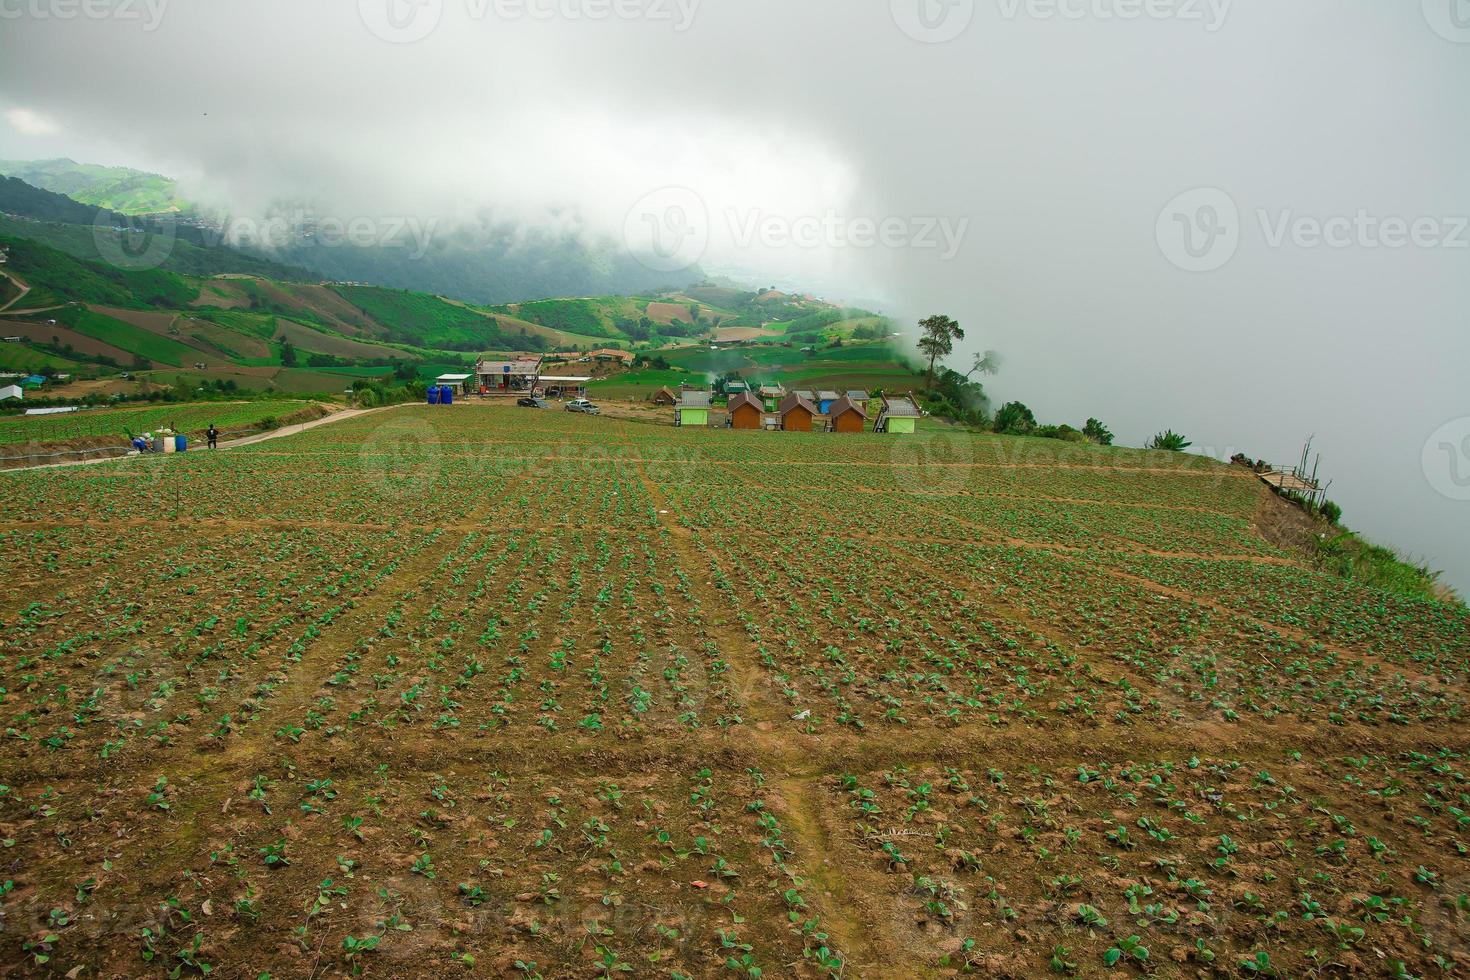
{"x":189,"y":419}
{"x":485,"y":692}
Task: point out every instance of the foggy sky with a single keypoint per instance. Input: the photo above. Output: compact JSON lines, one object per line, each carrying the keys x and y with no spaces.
{"x":1054,"y":132}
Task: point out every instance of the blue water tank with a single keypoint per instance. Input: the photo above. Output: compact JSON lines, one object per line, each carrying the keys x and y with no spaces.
{"x":446,"y":397}
{"x":433,"y":394}
{"x":181,"y":443}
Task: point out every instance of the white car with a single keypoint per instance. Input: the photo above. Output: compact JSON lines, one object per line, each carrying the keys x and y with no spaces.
{"x":582,"y":405}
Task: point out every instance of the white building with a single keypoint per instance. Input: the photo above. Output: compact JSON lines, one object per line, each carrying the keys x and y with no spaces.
{"x":12,"y":391}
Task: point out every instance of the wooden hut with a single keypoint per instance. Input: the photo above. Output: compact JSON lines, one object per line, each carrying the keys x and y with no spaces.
{"x":797,"y":414}
{"x":746,"y":411}
{"x":665,"y":396}
{"x":847,"y":416}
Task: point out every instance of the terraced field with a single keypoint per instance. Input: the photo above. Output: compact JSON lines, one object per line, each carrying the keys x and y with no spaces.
{"x":484,"y":692}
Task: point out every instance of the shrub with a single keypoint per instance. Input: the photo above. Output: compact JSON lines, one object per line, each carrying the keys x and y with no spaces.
{"x":1014,"y":419}
{"x":1095,"y":431}
{"x":1169,"y":441}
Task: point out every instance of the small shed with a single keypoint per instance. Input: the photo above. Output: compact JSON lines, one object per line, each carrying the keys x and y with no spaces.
{"x":733,"y":388}
{"x":797,"y":414}
{"x":459,"y":382}
{"x":825,"y":401}
{"x":693,"y":409}
{"x":12,"y":391}
{"x":563,"y":386}
{"x":859,"y":396}
{"x":847,"y":416}
{"x":746,"y":411}
{"x":806,"y":393}
{"x":772,"y":395}
{"x":898,"y":414}
{"x":665,"y":396}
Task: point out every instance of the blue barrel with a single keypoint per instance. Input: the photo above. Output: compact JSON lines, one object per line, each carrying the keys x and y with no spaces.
{"x":181,"y":444}
{"x":446,"y":397}
{"x":433,"y":394}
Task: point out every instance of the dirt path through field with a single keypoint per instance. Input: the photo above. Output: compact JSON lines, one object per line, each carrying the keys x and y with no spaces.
{"x":22,"y":286}
{"x":289,"y":430}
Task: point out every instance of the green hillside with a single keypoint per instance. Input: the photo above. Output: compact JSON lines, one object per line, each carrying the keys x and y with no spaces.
{"x":263,"y":334}
{"x":46,"y":268}
{"x":119,"y":189}
{"x":185,"y":257}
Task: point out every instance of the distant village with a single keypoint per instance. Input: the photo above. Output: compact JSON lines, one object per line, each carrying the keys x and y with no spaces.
{"x":770,"y":407}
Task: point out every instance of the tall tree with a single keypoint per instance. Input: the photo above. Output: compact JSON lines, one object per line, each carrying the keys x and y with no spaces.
{"x":940,"y":333}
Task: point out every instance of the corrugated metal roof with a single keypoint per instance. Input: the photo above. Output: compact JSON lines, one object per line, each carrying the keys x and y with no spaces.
{"x":858,"y":395}
{"x":806,"y":393}
{"x":694,"y":399}
{"x":901,"y":407}
{"x":515,"y":367}
{"x":827,"y":396}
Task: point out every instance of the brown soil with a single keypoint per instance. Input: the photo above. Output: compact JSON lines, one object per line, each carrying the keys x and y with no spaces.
{"x":44,"y":333}
{"x":668,"y":313}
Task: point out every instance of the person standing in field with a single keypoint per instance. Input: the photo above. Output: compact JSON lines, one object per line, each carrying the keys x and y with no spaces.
{"x":213,"y":435}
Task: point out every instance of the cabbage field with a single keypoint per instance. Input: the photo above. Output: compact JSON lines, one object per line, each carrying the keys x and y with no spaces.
{"x":188,"y":418}
{"x":478,"y":691}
